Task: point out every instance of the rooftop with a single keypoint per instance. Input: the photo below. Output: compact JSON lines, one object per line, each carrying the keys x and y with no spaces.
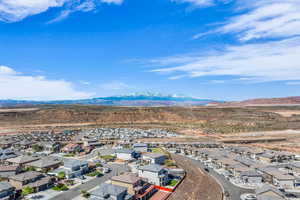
{"x":106,"y":190}
{"x":130,"y":178}
{"x":152,"y":168}
{"x":5,"y":186}
{"x":23,"y":159}
{"x":26,"y":176}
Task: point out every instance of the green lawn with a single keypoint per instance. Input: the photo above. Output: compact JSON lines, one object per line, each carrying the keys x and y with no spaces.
{"x":173,"y":182}
{"x":94,"y":173}
{"x":60,"y":187}
{"x":157,"y":150}
{"x":69,"y":155}
{"x":108,"y":157}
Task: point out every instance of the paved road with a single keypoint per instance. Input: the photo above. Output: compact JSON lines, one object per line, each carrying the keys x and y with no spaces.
{"x":234,"y":191}
{"x":74,"y":192}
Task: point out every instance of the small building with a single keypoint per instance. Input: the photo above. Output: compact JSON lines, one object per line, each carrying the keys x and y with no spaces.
{"x":155,"y":174}
{"x":50,"y":146}
{"x":251,"y":176}
{"x":9,"y":170}
{"x":72,"y":168}
{"x":284,"y":180}
{"x":6,"y":154}
{"x":155,"y":158}
{"x":22,"y":160}
{"x":7,"y":191}
{"x":90,"y":142}
{"x":45,"y":164}
{"x":33,"y":179}
{"x":140,"y":147}
{"x":135,"y":185}
{"x":266,"y":157}
{"x":72,"y":148}
{"x":295,"y":167}
{"x":110,"y":192}
{"x":7,"y":143}
{"x":268,"y":192}
{"x":125,"y":154}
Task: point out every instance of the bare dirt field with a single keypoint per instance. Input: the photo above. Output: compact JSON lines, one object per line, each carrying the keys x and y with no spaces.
{"x":196,"y":185}
{"x":286,"y":113}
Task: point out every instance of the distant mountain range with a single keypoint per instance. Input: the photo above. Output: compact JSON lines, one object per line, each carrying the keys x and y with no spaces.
{"x":284,"y":101}
{"x":155,"y":99}
{"x":139,"y":99}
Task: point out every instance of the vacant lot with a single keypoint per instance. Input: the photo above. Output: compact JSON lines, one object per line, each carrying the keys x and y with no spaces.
{"x":197,"y":185}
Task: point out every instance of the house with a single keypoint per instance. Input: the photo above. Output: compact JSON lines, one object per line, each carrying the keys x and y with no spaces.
{"x":295,"y":167}
{"x":23,"y":144}
{"x":284,"y":180}
{"x":45,"y":164}
{"x":277,"y":177}
{"x":135,"y":185}
{"x":50,"y":146}
{"x":267,"y":157}
{"x":90,"y":142}
{"x":33,"y":179}
{"x":155,"y":158}
{"x":6,"y":154}
{"x":140,"y":147}
{"x":268,"y":192}
{"x":251,"y":176}
{"x":155,"y":174}
{"x":7,"y":191}
{"x":22,"y":160}
{"x":125,"y":154}
{"x":110,"y":192}
{"x":7,"y":143}
{"x":9,"y":170}
{"x":72,"y":168}
{"x":72,"y":148}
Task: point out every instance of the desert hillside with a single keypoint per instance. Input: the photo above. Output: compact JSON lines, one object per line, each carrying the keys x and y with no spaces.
{"x":209,"y":120}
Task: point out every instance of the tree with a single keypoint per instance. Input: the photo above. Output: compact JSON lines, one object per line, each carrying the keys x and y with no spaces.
{"x":37,"y":148}
{"x":30,"y":168}
{"x":27,"y":190}
{"x":85,"y":194}
{"x":61,"y":175}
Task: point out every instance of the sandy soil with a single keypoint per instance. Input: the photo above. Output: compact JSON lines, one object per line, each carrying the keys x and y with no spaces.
{"x":196,"y":185}
{"x":18,"y":110}
{"x":286,"y":113}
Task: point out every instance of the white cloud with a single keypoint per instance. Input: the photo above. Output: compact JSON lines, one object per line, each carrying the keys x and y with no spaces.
{"x":272,"y":61}
{"x":86,"y":6}
{"x":264,"y":59}
{"x":17,"y":10}
{"x":85,"y":83}
{"x":115,"y":85}
{"x":14,"y":85}
{"x":293,"y":83}
{"x":197,"y":2}
{"x":118,"y":2}
{"x":262,"y":19}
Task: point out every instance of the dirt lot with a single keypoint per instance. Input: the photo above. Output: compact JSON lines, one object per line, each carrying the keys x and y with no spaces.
{"x":286,"y":113}
{"x":197,"y":185}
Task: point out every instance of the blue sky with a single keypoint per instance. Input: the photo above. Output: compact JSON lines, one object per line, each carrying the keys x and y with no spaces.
{"x":217,"y":49}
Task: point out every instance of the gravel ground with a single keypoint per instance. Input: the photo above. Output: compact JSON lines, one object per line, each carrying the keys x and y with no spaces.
{"x":196,"y":185}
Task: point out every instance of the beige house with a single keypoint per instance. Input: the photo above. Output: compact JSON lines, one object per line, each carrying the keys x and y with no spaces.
{"x":135,"y":185}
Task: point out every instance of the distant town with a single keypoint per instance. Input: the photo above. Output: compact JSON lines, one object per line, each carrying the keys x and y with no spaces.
{"x":113,"y":163}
